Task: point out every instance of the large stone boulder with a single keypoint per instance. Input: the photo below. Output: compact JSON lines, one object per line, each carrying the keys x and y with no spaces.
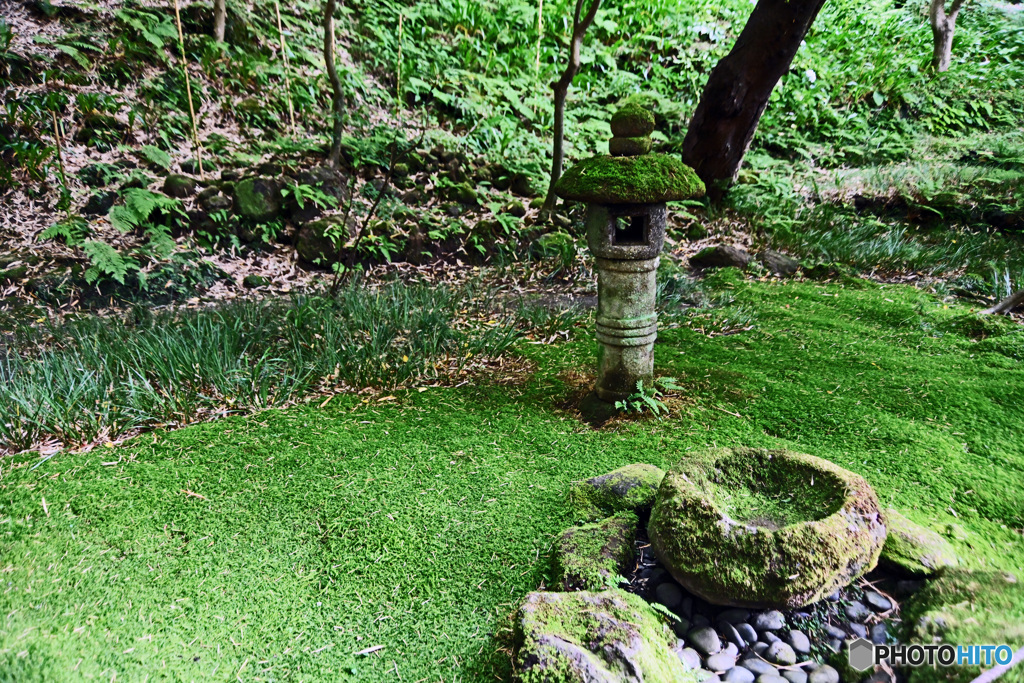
{"x":258,"y":199}
{"x":590,"y":557}
{"x":607,"y":637}
{"x":629,"y":488}
{"x":721,"y":256}
{"x":914,"y":550}
{"x":764,"y":528}
{"x":319,"y":243}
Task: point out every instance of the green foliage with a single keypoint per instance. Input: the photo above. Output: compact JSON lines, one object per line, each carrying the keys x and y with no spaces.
{"x":301,"y":193}
{"x":156,"y":156}
{"x":649,"y":397}
{"x":294,"y":501}
{"x":106,"y":262}
{"x":177,"y":367}
{"x":72,"y":230}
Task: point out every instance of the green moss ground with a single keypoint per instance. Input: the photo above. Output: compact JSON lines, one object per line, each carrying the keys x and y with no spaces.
{"x":419,"y":523}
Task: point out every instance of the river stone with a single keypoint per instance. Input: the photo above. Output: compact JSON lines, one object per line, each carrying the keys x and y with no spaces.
{"x":913,"y":550}
{"x":786,"y":556}
{"x":877,"y":601}
{"x":595,"y":637}
{"x":859,"y":630}
{"x":799,"y":641}
{"x":669,"y":595}
{"x":590,"y":557}
{"x":720,"y":662}
{"x":768,"y":637}
{"x":758,"y":666}
{"x":681,"y":627}
{"x":880,"y":633}
{"x":700,"y":621}
{"x":631,"y":488}
{"x":795,"y":675}
{"x":772,"y":620}
{"x":771,"y":678}
{"x":689,"y":657}
{"x":758,"y":648}
{"x":705,"y":639}
{"x":731,"y":634}
{"x":780,"y":653}
{"x":823,"y":674}
{"x":857,"y":611}
{"x":734,"y":615}
{"x":705,"y":676}
{"x":747,"y":632}
{"x":738,"y":674}
{"x":834,"y":632}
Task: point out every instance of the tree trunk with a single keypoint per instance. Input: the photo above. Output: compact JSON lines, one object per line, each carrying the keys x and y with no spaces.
{"x":738,"y":88}
{"x":220,"y":13}
{"x":1006,"y":305}
{"x":337,"y":97}
{"x":561,"y":88}
{"x":943,"y":26}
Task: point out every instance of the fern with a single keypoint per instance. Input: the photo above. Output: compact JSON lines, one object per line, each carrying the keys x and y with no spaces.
{"x":142,"y":203}
{"x":106,"y":262}
{"x":122,"y":218}
{"x":71,"y":230}
{"x":157,"y":156}
{"x":74,"y":54}
{"x":160,"y":241}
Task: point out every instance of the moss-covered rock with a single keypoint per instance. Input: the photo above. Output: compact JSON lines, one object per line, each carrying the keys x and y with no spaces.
{"x":254,"y":281}
{"x":191,"y":166}
{"x":764,"y":528}
{"x":629,"y":147}
{"x":176,"y":185}
{"x":629,"y":488}
{"x":317,"y":243}
{"x":912,"y":549}
{"x":632,"y":121}
{"x":515,"y":208}
{"x":720,"y":256}
{"x":463,"y":193}
{"x":590,"y":557}
{"x":966,"y":607}
{"x":258,"y":199}
{"x":647,"y":179}
{"x":552,"y":244}
{"x":604,"y":637}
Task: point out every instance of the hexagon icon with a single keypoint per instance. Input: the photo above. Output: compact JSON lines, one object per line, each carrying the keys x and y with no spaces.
{"x":862,"y":654}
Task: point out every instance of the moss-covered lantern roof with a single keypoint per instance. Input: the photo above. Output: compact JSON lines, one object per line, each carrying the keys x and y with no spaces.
{"x":644,"y":179}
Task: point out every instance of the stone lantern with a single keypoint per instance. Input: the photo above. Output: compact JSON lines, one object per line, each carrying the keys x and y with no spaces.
{"x":625,"y":193}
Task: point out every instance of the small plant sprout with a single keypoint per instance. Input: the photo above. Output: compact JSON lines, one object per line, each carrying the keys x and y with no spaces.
{"x":650,"y":397}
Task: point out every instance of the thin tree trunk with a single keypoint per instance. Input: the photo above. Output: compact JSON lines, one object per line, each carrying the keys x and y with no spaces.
{"x":561,"y":88}
{"x":220,"y":13}
{"x":738,"y":88}
{"x":337,"y":96}
{"x":943,"y":27}
{"x":1006,"y":305}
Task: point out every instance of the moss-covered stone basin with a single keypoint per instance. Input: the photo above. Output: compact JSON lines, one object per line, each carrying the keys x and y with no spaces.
{"x":765,"y":528}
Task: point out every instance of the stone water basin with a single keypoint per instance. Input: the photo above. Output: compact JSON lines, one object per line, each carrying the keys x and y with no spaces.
{"x":764,"y":528}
